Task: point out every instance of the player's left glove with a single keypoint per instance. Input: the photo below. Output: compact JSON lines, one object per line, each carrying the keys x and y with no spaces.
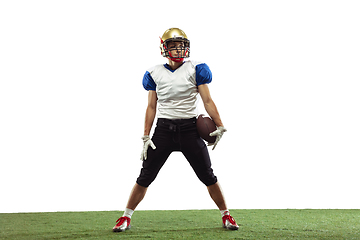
{"x":218,"y":133}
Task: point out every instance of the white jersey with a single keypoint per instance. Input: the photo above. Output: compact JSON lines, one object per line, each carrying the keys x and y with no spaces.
{"x":177,"y":89}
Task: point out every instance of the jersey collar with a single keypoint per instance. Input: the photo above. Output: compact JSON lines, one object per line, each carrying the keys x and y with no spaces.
{"x":169,"y":68}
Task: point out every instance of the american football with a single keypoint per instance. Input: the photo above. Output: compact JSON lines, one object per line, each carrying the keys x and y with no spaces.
{"x":205,"y":126}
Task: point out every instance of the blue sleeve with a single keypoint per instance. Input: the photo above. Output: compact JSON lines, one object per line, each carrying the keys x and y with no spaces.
{"x":203,"y":74}
{"x":148,"y":82}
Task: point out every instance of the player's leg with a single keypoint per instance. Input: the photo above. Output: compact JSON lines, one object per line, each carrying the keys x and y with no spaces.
{"x":151,"y":167}
{"x":199,"y":159}
{"x":148,"y":173}
{"x":136,"y":196}
{"x":217,"y":196}
{"x":196,"y":152}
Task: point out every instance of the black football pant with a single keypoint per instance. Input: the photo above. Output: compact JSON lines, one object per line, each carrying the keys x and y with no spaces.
{"x":177,"y":135}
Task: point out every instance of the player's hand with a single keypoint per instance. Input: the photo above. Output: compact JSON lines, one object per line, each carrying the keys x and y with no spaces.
{"x":218,"y":133}
{"x":147,"y":141}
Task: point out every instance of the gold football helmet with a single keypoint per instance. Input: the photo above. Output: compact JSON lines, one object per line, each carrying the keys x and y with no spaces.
{"x":183,"y":49}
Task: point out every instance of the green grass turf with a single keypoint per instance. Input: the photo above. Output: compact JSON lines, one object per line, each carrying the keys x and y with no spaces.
{"x":191,"y":224}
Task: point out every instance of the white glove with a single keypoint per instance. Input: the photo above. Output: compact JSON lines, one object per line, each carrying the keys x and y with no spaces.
{"x":218,"y":133}
{"x":147,"y":141}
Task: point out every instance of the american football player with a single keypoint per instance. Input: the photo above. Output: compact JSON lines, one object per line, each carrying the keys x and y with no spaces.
{"x":172,"y":94}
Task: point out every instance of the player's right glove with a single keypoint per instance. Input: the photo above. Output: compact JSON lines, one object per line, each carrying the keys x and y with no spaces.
{"x":147,"y":141}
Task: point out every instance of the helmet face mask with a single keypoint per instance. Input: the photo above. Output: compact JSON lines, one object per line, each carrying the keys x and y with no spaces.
{"x":177,"y":50}
{"x":175,"y":45}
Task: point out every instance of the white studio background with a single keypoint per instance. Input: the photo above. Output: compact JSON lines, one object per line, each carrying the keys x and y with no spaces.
{"x":285,"y":80}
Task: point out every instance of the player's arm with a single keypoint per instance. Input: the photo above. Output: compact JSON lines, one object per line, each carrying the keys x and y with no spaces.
{"x":150,"y":112}
{"x":209,"y":104}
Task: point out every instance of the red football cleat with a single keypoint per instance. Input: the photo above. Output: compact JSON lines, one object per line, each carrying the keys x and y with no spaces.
{"x":122,"y":224}
{"x":229,"y":222}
